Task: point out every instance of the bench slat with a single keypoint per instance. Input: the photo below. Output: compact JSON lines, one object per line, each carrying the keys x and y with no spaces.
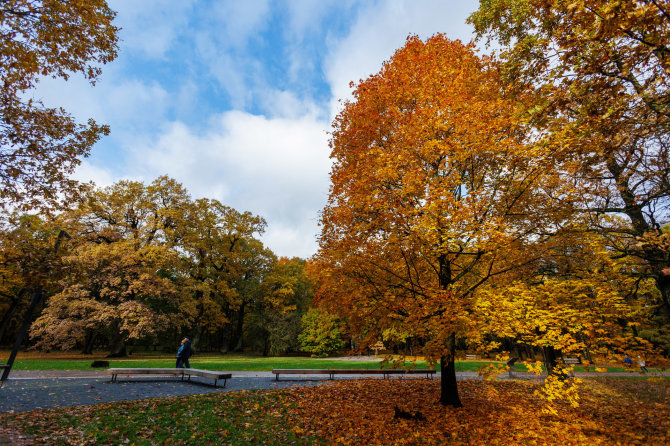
{"x":212,"y":374}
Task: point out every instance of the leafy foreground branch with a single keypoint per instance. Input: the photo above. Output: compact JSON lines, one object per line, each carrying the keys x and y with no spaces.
{"x":612,"y":410}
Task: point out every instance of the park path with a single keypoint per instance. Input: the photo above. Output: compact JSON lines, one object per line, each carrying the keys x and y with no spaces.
{"x":36,"y":389}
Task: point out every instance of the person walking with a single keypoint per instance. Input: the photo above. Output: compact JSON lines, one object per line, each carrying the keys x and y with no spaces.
{"x":643,"y":364}
{"x":184,"y":353}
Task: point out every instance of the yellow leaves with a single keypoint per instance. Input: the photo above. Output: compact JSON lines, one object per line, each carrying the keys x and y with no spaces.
{"x":534,"y":367}
{"x":491,"y":372}
{"x":559,"y":388}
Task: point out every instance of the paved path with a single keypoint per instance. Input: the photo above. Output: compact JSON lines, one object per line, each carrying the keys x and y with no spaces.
{"x":34,"y":390}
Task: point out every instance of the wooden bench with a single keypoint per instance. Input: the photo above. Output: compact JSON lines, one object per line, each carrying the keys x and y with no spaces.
{"x":572,"y":360}
{"x":470,"y":356}
{"x":332,"y":372}
{"x":211,"y":374}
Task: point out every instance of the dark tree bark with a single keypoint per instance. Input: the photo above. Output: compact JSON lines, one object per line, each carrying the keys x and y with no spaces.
{"x":9,"y":314}
{"x":448,"y":385}
{"x":550,"y":361}
{"x":91,"y":337}
{"x":118,"y":346}
{"x":236,"y":340}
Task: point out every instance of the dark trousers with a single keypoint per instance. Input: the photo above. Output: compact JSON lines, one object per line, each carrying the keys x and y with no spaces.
{"x":182,"y":363}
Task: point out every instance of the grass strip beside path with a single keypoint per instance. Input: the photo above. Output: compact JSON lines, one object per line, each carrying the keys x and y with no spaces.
{"x":51,"y":361}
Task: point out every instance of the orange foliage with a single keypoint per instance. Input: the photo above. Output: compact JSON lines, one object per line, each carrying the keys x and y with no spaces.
{"x":362,"y":412}
{"x":436,"y":188}
{"x":41,"y":146}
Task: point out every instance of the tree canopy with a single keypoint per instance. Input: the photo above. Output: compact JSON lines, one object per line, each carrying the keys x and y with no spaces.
{"x":602,"y":75}
{"x":40,"y":146}
{"x":435,"y":189}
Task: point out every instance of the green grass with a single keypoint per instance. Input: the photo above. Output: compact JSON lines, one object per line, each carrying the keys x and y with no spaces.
{"x":210,"y":362}
{"x":60,"y":361}
{"x":239,"y":418}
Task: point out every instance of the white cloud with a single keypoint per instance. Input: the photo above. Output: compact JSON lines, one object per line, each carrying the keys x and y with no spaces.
{"x":306,"y":16}
{"x":285,"y":104}
{"x":382,"y":28}
{"x":118,"y":101}
{"x":151,"y":27}
{"x":102,"y":177}
{"x":238,"y":21}
{"x":274,"y":167}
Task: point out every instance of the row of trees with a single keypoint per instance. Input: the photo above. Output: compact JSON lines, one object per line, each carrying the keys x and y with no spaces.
{"x":522,"y":197}
{"x":148,"y":264}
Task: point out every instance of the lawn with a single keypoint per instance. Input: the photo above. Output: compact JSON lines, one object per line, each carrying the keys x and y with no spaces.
{"x":612,"y":411}
{"x":74,"y":361}
{"x":60,"y":361}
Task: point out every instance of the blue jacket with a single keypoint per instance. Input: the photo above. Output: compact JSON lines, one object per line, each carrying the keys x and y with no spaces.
{"x":184,"y":351}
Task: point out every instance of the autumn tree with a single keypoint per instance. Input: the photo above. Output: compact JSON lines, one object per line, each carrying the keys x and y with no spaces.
{"x":112,"y":293}
{"x":220,"y":259}
{"x":576,"y":301}
{"x":40,"y":146}
{"x":285,"y":296}
{"x":435,"y":189}
{"x":321,"y":333}
{"x":120,"y":285}
{"x":27,"y":261}
{"x":601,"y":70}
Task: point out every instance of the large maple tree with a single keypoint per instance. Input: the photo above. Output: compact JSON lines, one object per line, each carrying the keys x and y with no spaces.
{"x":435,"y":190}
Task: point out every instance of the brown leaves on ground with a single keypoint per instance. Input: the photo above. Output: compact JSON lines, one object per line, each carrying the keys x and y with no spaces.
{"x":362,"y":412}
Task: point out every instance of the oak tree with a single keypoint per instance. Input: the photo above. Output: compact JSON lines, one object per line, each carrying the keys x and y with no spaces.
{"x":120,"y":283}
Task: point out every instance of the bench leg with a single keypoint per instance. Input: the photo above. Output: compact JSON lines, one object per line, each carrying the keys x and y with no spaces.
{"x":277,"y":377}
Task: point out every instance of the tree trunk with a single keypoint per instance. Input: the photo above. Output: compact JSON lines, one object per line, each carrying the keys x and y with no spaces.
{"x":266,"y":345}
{"x":550,"y":363}
{"x":663,"y":285}
{"x":448,"y":385}
{"x":195,"y":337}
{"x":7,"y":317}
{"x":118,"y":346}
{"x":236,"y":340}
{"x":91,"y":337}
{"x":119,"y":351}
{"x":654,"y":256}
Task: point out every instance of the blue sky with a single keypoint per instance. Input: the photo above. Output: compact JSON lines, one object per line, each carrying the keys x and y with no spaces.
{"x":235,"y":98}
